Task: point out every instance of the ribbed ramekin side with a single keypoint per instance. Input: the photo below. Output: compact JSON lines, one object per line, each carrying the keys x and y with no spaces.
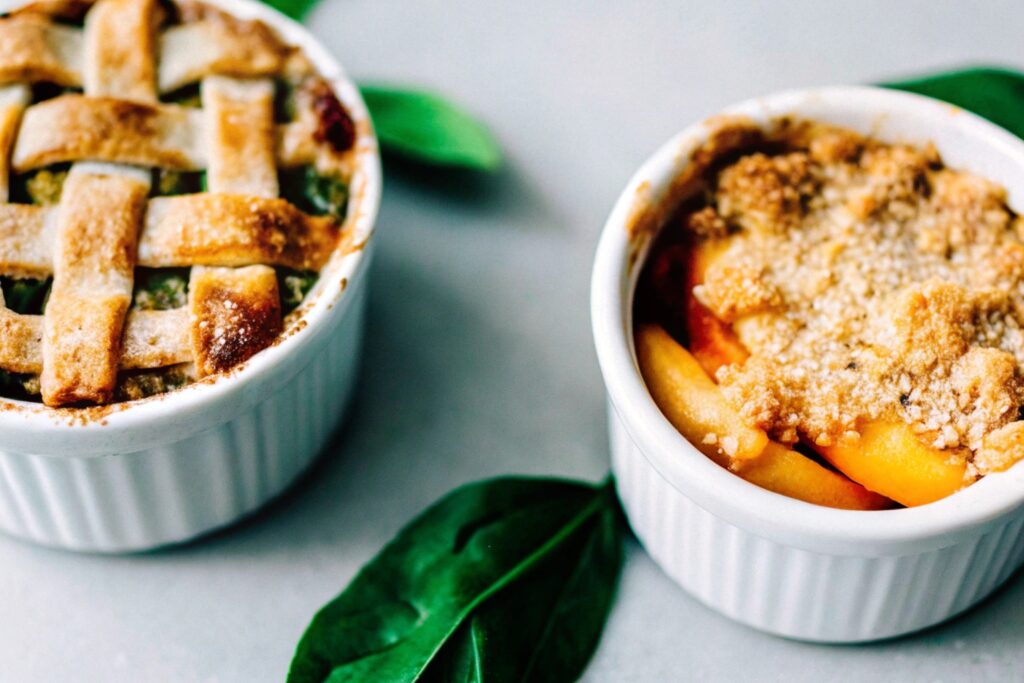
{"x":139,"y":500}
{"x":795,"y":593}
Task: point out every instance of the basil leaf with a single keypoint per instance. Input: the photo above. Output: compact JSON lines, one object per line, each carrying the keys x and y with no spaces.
{"x":424,"y":127}
{"x":296,"y":9}
{"x":514,"y":535}
{"x":559,"y":606}
{"x":996,"y":94}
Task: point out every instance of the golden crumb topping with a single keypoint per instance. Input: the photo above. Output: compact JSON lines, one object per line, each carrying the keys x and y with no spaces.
{"x":868,"y":282}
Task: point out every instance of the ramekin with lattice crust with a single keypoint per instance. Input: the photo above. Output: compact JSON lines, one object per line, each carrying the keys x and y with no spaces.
{"x":188,"y":197}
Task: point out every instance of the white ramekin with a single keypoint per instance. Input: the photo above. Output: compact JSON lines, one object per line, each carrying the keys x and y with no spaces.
{"x":775,"y":563}
{"x":138,"y":475}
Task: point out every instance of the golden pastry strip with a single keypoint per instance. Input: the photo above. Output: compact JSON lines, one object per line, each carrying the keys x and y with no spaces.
{"x":240,"y":136}
{"x":156,"y":339}
{"x":203,"y":229}
{"x":34,"y":50}
{"x":74,"y":127}
{"x":235,"y":313}
{"x":222,"y":45}
{"x":233,"y":230}
{"x":92,"y":284}
{"x":119,"y":50}
{"x":21,"y":342}
{"x":152,"y":339}
{"x":13,"y":99}
{"x":26,"y":240}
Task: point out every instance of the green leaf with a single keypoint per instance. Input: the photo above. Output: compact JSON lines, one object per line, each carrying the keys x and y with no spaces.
{"x":511,"y":577}
{"x":996,"y":94}
{"x":425,"y":128}
{"x":560,"y":605}
{"x":296,"y":9}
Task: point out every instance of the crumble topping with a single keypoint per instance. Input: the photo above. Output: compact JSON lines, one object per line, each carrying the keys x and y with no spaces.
{"x":868,"y":282}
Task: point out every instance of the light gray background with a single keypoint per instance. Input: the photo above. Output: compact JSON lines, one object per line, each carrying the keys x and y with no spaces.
{"x":479,"y":360}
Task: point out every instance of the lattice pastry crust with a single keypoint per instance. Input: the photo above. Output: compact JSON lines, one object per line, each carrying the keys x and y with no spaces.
{"x":95,"y":88}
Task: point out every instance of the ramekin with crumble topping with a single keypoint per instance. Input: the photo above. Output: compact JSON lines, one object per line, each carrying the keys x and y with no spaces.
{"x":822,"y":292}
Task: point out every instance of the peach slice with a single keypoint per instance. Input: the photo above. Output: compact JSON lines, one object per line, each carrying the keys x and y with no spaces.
{"x":712,"y":341}
{"x":793,"y":474}
{"x":890,"y":459}
{"x":694,"y":404}
{"x":691,"y":401}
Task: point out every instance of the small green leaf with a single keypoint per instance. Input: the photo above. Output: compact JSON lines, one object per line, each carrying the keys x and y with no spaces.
{"x":545,"y":625}
{"x":996,"y":94}
{"x":296,"y":9}
{"x":508,"y":577}
{"x":424,"y":127}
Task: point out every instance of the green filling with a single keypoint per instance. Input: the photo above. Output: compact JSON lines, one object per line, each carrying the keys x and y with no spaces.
{"x":160,"y":290}
{"x":167,"y":182}
{"x":132,"y":386}
{"x":294,"y":285}
{"x":41,"y":187}
{"x":25,"y":296}
{"x":320,"y":195}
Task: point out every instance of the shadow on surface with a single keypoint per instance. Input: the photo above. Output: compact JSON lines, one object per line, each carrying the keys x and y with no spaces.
{"x":503,"y":195}
{"x":379,"y":448}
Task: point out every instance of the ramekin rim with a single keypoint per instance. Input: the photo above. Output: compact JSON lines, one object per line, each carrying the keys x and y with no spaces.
{"x":687,"y":469}
{"x":125,"y":418}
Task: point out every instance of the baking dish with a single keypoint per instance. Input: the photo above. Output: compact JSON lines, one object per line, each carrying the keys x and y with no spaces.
{"x":772,"y":562}
{"x":136,"y":475}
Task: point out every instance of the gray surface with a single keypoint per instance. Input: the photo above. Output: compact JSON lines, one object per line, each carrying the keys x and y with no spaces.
{"x":480,"y":360}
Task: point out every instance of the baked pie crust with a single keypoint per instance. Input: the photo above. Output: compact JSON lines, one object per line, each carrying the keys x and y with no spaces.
{"x":91,"y":93}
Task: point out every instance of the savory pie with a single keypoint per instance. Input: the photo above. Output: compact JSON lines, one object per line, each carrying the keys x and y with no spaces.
{"x":172,"y":178}
{"x":852,"y":314}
